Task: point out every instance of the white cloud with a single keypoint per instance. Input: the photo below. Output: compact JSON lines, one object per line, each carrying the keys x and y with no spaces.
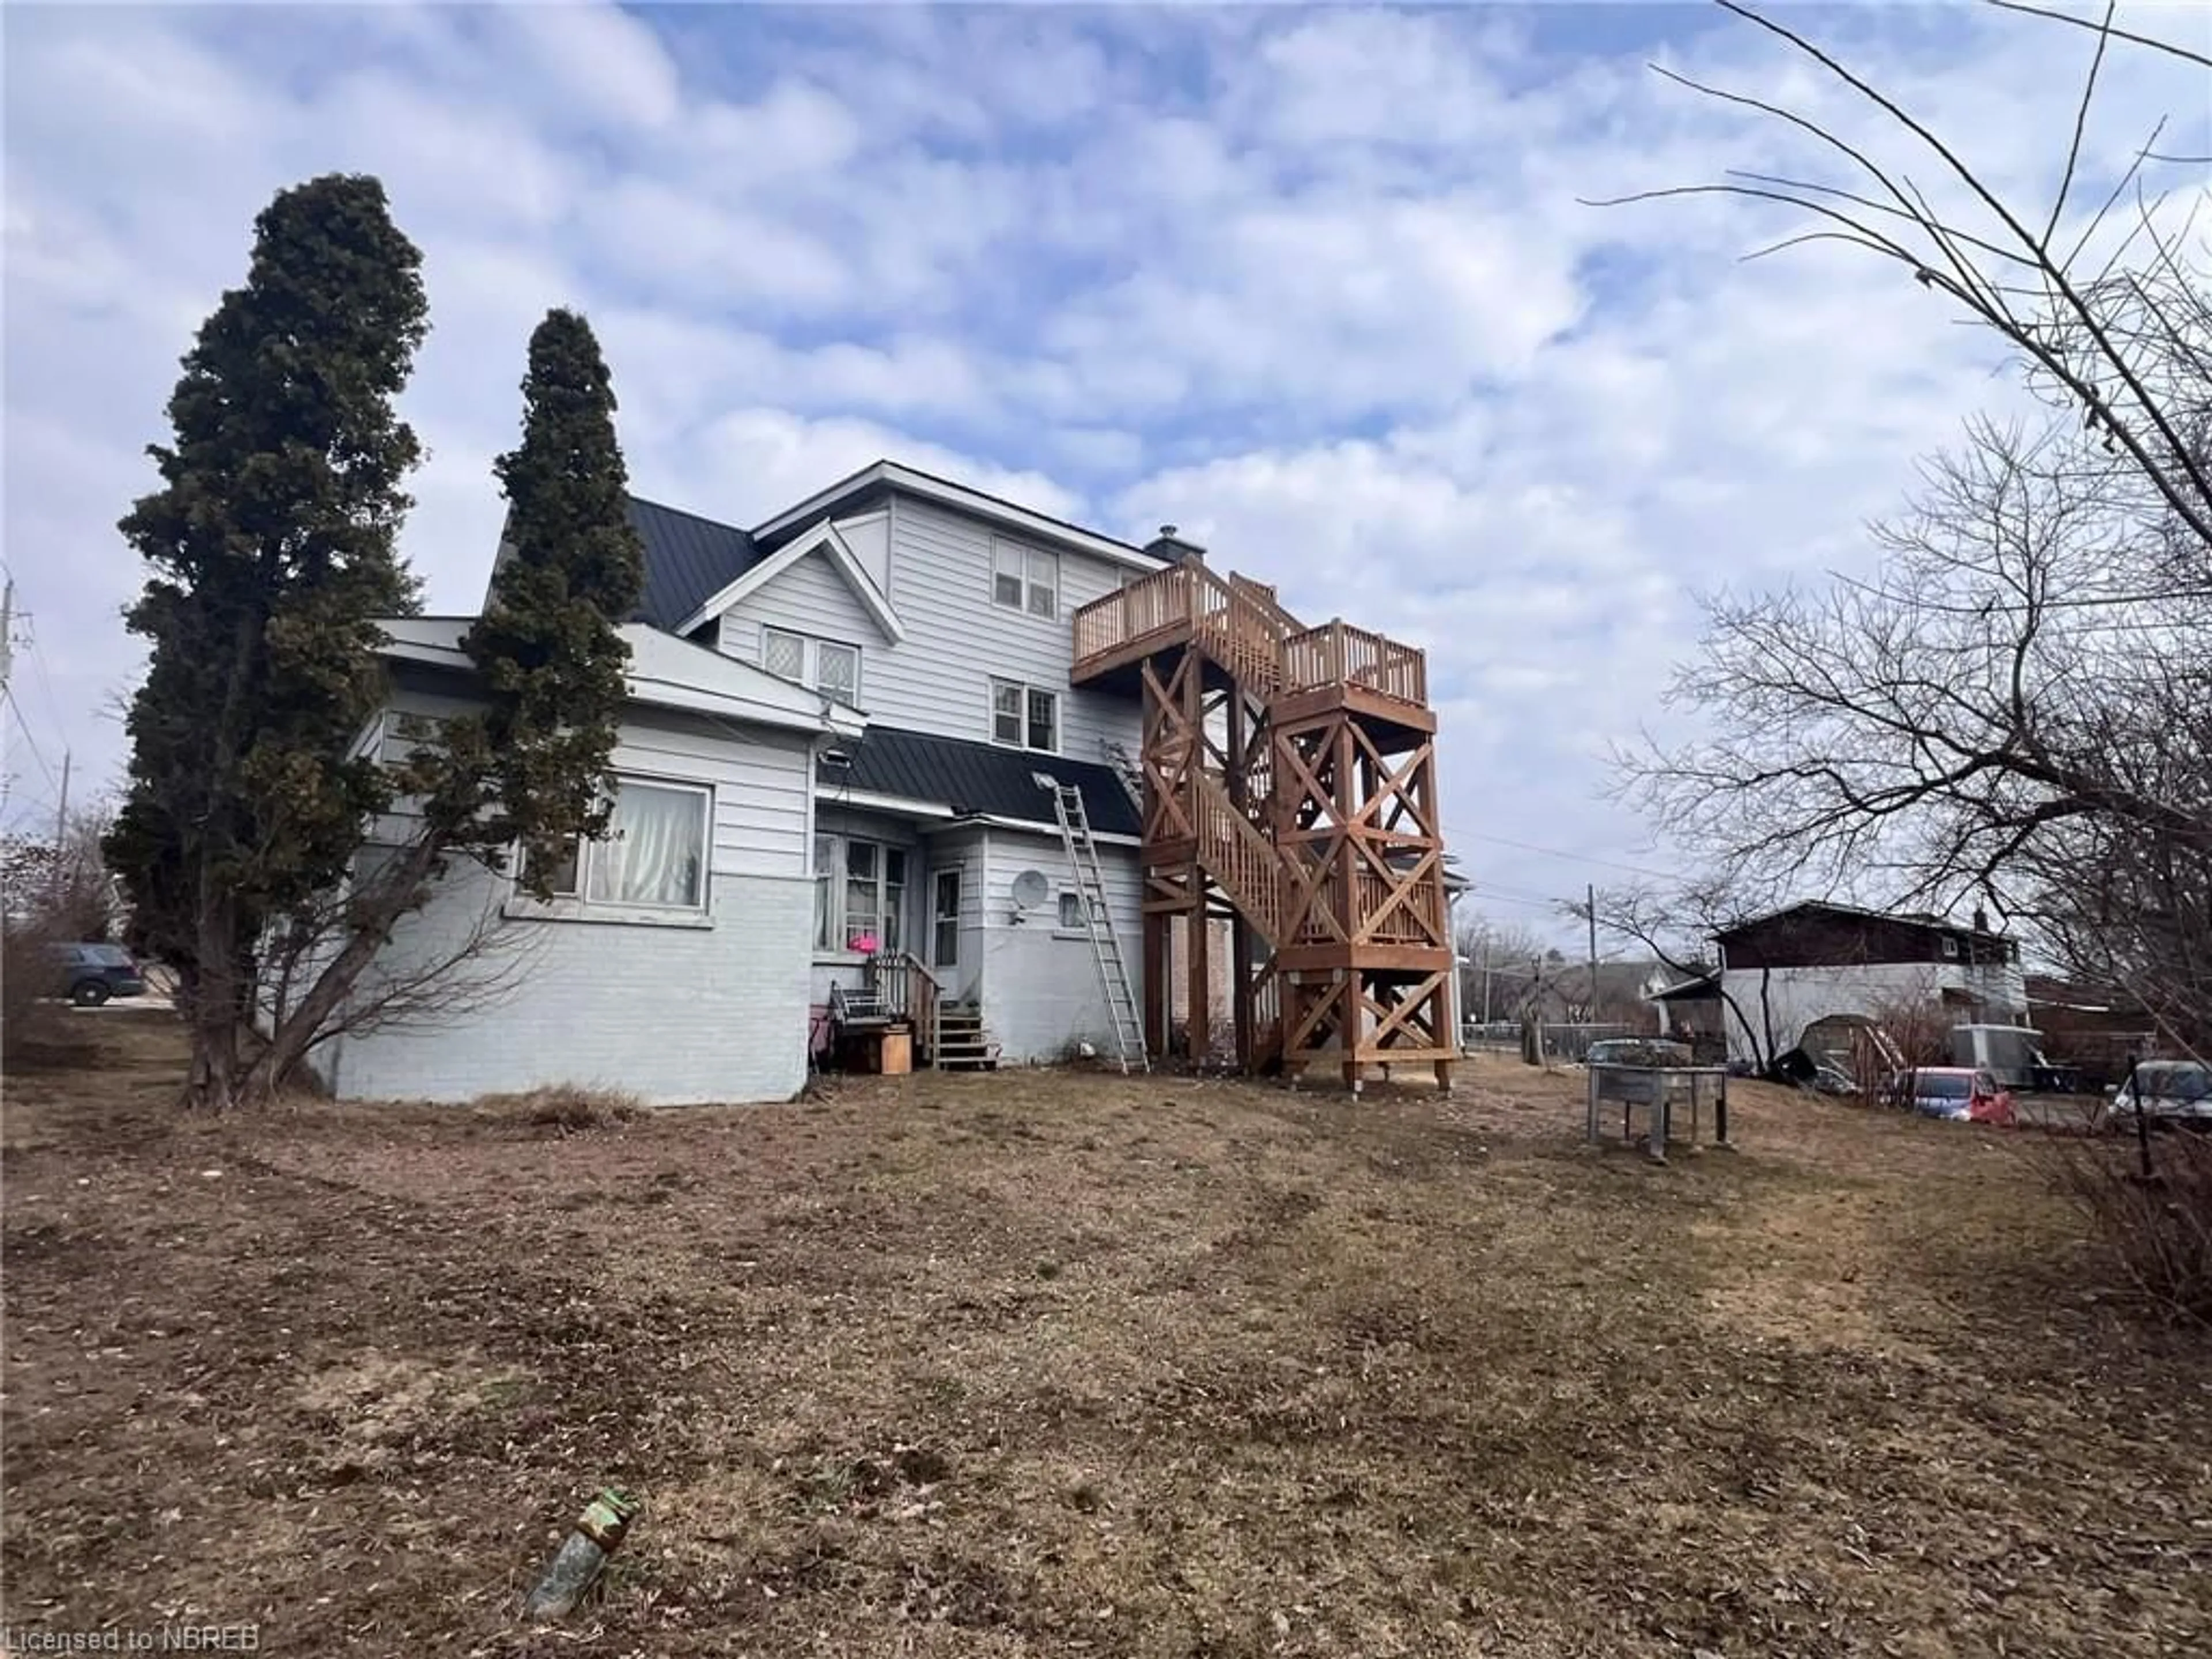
{"x":1315,"y":286}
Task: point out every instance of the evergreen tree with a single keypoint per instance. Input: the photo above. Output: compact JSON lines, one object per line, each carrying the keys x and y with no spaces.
{"x":529,"y":771}
{"x":546,"y":643}
{"x":271,"y":541}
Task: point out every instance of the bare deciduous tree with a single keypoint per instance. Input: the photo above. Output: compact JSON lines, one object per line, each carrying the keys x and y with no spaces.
{"x":2019,"y":704}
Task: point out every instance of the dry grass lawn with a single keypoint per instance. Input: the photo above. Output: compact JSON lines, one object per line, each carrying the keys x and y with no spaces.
{"x":1028,"y":1365}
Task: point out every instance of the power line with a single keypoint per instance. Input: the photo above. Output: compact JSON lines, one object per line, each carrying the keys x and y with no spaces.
{"x":46,"y":684}
{"x":1555,"y":853}
{"x":23,"y":728}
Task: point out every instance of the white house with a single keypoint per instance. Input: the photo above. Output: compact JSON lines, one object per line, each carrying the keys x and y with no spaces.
{"x":837,"y":724}
{"x":1793,"y":968}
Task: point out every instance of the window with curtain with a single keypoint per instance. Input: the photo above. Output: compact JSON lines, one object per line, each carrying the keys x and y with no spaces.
{"x":653,"y":855}
{"x":655,"y":849}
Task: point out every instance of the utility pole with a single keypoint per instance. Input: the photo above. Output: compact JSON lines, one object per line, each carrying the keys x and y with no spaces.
{"x":1589,"y":895}
{"x":61,"y":807}
{"x":7,"y":632}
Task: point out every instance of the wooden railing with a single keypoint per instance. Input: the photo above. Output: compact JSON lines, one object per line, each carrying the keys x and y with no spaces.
{"x":907,"y":990}
{"x":1238,"y":855}
{"x":1239,"y":623}
{"x":1419,"y":919}
{"x":1337,"y":653}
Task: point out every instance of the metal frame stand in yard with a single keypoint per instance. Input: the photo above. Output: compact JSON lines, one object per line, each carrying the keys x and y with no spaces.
{"x":1659,"y":1088}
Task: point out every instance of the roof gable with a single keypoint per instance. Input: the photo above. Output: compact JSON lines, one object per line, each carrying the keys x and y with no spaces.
{"x":848,"y":494}
{"x":687,"y":558}
{"x":822,"y":540}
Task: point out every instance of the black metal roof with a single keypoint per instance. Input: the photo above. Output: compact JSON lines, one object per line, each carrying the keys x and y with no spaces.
{"x":687,"y":559}
{"x":979,"y":777}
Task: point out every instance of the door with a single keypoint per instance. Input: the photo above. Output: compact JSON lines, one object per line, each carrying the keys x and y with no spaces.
{"x":945,"y":919}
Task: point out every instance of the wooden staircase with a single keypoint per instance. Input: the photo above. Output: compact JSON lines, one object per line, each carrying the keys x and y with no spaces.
{"x":1289,"y":784}
{"x":958,"y":1041}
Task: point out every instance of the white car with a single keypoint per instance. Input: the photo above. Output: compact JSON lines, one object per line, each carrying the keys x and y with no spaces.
{"x":2172,"y":1091}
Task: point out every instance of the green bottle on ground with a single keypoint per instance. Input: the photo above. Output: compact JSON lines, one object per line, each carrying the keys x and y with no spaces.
{"x":598,"y":1533}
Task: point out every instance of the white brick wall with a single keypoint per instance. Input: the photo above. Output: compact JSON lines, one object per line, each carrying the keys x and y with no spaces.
{"x":676,"y":1015}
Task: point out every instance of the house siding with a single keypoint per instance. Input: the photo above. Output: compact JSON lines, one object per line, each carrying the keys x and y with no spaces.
{"x":1040,"y":983}
{"x":1788,"y":999}
{"x":936,"y":679}
{"x":593,"y":1002}
{"x":811,"y":598}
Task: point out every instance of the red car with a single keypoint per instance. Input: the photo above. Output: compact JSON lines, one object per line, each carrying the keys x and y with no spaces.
{"x":1959,"y":1093}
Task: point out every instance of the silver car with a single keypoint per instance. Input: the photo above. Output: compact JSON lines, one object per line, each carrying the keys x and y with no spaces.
{"x":2171,"y":1091}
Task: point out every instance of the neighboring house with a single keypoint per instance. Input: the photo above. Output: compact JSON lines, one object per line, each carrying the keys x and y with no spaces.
{"x":1814,"y":962}
{"x":1561,"y":992}
{"x":837,"y":722}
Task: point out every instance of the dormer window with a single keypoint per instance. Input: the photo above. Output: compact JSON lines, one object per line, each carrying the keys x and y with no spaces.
{"x":832,"y":669}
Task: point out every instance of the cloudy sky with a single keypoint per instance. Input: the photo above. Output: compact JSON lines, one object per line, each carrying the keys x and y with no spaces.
{"x":1315,"y":286}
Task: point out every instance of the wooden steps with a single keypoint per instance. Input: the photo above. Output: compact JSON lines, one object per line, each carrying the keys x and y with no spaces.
{"x":960,"y":1043}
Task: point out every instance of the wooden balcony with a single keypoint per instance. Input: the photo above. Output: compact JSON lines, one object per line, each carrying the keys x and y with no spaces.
{"x":1241,"y":626}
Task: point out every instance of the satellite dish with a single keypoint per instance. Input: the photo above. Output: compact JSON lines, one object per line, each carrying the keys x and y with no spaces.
{"x":1032,"y":889}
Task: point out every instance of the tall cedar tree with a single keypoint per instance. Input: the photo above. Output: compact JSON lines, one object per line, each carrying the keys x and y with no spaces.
{"x":530,"y":770}
{"x":546,"y":643}
{"x":271,"y":546}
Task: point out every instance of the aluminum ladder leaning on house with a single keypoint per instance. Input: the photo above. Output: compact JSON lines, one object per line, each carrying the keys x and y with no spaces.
{"x":1098,"y":921}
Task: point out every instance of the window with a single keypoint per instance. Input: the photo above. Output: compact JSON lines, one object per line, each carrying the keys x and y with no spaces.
{"x":1950,"y":947}
{"x":783,"y":654}
{"x":567,"y":879}
{"x":404,"y":733}
{"x":945,"y":920}
{"x":837,"y":671}
{"x":859,"y":895}
{"x":1025,"y":716}
{"x":1023,"y":578}
{"x":653,"y":857}
{"x":1071,"y":913}
{"x":831,"y":668}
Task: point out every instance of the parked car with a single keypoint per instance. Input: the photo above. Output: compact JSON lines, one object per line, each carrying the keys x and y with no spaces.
{"x":2172,"y":1091}
{"x":88,"y":975}
{"x":1961,"y":1094}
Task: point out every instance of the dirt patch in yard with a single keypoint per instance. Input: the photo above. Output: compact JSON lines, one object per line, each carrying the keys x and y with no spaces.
{"x":1047,"y":1363}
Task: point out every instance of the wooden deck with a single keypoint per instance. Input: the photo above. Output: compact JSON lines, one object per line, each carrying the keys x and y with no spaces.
{"x":1241,"y":626}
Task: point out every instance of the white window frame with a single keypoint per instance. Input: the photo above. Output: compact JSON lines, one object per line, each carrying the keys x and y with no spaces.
{"x":1951,"y":950}
{"x":769,"y":636}
{"x":835,"y":871}
{"x":1034,"y":574}
{"x":1069,"y":896}
{"x":575,"y":897}
{"x":403,"y":730}
{"x":810,"y":648}
{"x":1027,"y":692}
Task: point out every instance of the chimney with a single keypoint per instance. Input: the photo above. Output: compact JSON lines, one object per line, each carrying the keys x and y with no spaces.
{"x":1173,"y":549}
{"x":1981,"y":920}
